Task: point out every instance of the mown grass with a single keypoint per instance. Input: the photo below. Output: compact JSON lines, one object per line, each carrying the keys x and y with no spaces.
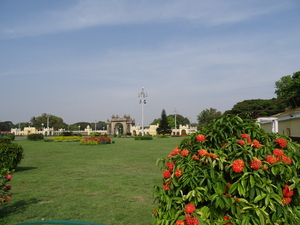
{"x":109,"y":184}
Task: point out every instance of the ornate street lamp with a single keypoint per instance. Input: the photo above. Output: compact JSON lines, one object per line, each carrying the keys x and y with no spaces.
{"x":142,"y":95}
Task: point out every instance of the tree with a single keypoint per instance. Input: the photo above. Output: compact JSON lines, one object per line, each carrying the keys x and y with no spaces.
{"x":251,"y":109}
{"x":208,"y":115}
{"x":164,"y":127}
{"x":6,"y":126}
{"x":54,"y":121}
{"x":288,"y":89}
{"x":180,"y":120}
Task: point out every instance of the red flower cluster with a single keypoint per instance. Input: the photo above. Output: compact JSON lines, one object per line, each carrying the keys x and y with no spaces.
{"x":287,"y":192}
{"x":241,"y":142}
{"x":184,"y":152}
{"x":200,"y":137}
{"x":255,"y":164}
{"x":191,"y":220}
{"x":170,"y":166}
{"x":175,"y":151}
{"x":202,"y":152}
{"x":190,"y":208}
{"x":226,"y":218}
{"x":286,"y":201}
{"x":167,"y":174}
{"x":8,"y":177}
{"x":247,"y":136}
{"x":167,"y":185}
{"x":194,"y":157}
{"x":256,"y":144}
{"x":281,"y":142}
{"x":278,"y":152}
{"x":179,"y":222}
{"x":238,"y":165}
{"x":279,"y":157}
{"x":178,"y":173}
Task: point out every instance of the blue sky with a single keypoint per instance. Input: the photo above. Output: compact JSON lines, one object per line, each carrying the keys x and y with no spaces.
{"x":89,"y":59}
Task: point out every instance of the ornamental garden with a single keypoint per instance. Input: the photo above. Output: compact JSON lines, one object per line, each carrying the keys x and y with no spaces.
{"x":229,"y":172}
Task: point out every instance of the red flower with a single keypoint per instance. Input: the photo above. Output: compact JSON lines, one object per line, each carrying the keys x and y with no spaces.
{"x":271,"y":159}
{"x":8,"y":177}
{"x":281,"y":142}
{"x":226,"y":218}
{"x":179,"y":222}
{"x":202,"y":152}
{"x":278,"y":152}
{"x":191,"y":220}
{"x":241,"y":142}
{"x":7,"y":198}
{"x":247,"y":136}
{"x":178,"y":173}
{"x":190,"y":208}
{"x":167,"y":174}
{"x":238,"y":165}
{"x":200,"y":137}
{"x":286,"y":201}
{"x":170,"y":166}
{"x":8,"y":187}
{"x":286,"y":159}
{"x":194,"y":157}
{"x":184,"y":152}
{"x":255,"y":164}
{"x":287,"y":192}
{"x":256,"y":144}
{"x":212,"y":155}
{"x":166,"y":187}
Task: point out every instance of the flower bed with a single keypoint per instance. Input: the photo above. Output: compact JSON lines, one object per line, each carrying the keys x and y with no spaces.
{"x":230,"y":172}
{"x":95,"y":140}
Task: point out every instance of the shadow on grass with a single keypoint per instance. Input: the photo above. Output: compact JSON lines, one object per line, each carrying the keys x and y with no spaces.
{"x":16,"y":207}
{"x":24,"y":168}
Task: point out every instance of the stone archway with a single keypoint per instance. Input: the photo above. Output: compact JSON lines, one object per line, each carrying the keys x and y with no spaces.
{"x":115,"y":123}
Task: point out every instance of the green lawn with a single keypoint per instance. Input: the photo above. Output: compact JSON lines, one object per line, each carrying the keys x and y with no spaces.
{"x":109,"y":184}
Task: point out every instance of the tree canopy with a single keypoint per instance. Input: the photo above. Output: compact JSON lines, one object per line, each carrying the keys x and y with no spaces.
{"x":208,"y":115}
{"x":288,"y":90}
{"x":180,"y":120}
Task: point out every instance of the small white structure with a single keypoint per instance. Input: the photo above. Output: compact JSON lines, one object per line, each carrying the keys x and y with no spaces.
{"x":272,"y":120}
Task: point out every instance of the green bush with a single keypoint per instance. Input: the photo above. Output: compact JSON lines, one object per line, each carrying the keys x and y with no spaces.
{"x":66,"y":138}
{"x":5,"y":140}
{"x":66,"y":133}
{"x":230,"y":172}
{"x":35,"y":137}
{"x":143,"y":138}
{"x":11,"y":136}
{"x":48,"y":140}
{"x":10,"y":155}
{"x":94,"y":134}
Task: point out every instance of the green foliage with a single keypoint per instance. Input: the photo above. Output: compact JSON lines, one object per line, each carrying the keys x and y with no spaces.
{"x":6,"y":126}
{"x":10,"y":155}
{"x":226,"y":172}
{"x":6,"y":140}
{"x":35,"y":137}
{"x":67,"y":133}
{"x":164,"y":127}
{"x":143,"y":138}
{"x":94,"y":134}
{"x":54,"y":121}
{"x":11,"y":136}
{"x":180,"y":120}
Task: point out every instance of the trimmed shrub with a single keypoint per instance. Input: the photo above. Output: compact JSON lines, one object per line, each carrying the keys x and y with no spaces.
{"x":35,"y":137}
{"x":66,"y":133}
{"x":11,"y":136}
{"x":48,"y":140}
{"x":230,"y":172}
{"x":10,"y":155}
{"x":143,"y":138}
{"x":5,"y":140}
{"x":95,"y":140}
{"x":94,"y":134}
{"x":66,"y":138}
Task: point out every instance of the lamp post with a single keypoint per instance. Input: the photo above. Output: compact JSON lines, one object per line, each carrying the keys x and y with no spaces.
{"x":142,"y":95}
{"x":95,"y":125}
{"x":48,"y":124}
{"x":175,"y":111}
{"x":78,"y":128}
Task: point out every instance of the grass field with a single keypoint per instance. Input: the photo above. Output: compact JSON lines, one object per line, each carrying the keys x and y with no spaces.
{"x":109,"y":184}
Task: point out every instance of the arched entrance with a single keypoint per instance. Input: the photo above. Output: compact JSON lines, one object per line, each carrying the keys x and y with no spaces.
{"x":119,"y":125}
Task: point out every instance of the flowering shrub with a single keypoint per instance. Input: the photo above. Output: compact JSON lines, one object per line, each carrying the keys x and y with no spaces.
{"x":230,"y":172}
{"x":5,"y":188}
{"x":95,"y":140}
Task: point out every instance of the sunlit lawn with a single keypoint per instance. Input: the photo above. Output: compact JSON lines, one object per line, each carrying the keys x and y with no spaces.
{"x":109,"y":184}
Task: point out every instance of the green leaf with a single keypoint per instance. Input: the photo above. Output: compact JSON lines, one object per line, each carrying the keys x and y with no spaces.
{"x":259,"y":197}
{"x":252,"y":181}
